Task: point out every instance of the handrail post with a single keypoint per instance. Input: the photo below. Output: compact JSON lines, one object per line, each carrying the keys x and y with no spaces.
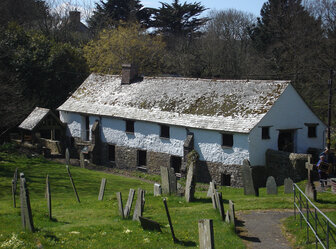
{"x":307,"y":211}
{"x":316,"y":228}
{"x":327,"y":237}
{"x":294,"y":202}
{"x":300,"y":211}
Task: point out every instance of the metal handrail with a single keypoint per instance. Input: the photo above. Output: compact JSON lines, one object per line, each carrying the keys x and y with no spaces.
{"x":304,"y":204}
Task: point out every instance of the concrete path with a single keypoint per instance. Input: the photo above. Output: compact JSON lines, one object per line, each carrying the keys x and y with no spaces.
{"x":262,"y":229}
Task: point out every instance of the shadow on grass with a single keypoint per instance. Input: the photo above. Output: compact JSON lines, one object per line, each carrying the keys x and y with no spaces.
{"x":202,"y":200}
{"x":185,"y":243}
{"x":326,"y":202}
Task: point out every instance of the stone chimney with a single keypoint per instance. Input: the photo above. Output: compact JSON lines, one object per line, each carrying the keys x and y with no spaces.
{"x":74,"y":17}
{"x":129,"y":74}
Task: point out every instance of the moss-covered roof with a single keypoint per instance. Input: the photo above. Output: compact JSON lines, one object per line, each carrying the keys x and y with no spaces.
{"x":34,"y":118}
{"x":224,"y":105}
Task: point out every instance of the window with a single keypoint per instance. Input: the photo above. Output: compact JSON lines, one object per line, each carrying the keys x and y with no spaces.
{"x":225,"y":180}
{"x":265,"y":132}
{"x":227,"y":140}
{"x":87,"y":128}
{"x":111,"y":152}
{"x":312,"y":131}
{"x":130,"y":126}
{"x":142,"y":158}
{"x":164,"y":131}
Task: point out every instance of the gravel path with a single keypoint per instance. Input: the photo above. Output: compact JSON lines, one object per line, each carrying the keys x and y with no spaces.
{"x":262,"y":229}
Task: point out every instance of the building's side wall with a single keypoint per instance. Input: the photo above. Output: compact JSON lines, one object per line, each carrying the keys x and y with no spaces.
{"x":288,"y":112}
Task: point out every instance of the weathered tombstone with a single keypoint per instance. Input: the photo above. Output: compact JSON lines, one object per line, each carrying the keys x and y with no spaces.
{"x":216,"y":198}
{"x":271,"y":186}
{"x":102,"y":189}
{"x":72,"y":183}
{"x":172,"y":181}
{"x":67,"y":156}
{"x":165,"y":180}
{"x":227,"y":217}
{"x":48,"y":197}
{"x":169,"y":220}
{"x":212,"y":188}
{"x":220,"y":205}
{"x":288,"y":186}
{"x":148,"y":224}
{"x":310,"y":190}
{"x":191,"y":183}
{"x":157,"y":189}
{"x":206,"y":234}
{"x":26,"y":214}
{"x":232,"y":213}
{"x":14,"y":186}
{"x":139,"y":205}
{"x":120,"y":205}
{"x":81,"y":160}
{"x":213,"y":199}
{"x":129,"y":202}
{"x":248,"y":180}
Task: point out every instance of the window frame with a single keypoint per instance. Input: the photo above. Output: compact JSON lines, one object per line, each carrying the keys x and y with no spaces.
{"x":310,"y":133}
{"x":265,"y":132}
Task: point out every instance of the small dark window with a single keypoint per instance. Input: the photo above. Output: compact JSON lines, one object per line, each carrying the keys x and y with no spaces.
{"x":111,"y":152}
{"x":227,"y":140}
{"x":130,"y":126}
{"x":312,"y":131}
{"x":87,"y":128}
{"x":225,"y":180}
{"x":176,"y":162}
{"x":164,"y":131}
{"x":265,"y":132}
{"x":142,"y":158}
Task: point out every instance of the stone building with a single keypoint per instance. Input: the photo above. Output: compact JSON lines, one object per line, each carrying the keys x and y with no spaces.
{"x":148,"y":122}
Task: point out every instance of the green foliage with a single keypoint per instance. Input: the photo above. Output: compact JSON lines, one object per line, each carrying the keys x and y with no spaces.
{"x":125,"y":44}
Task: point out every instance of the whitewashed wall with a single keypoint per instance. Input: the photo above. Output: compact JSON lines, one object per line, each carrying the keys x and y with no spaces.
{"x":147,"y":136}
{"x":288,"y":112}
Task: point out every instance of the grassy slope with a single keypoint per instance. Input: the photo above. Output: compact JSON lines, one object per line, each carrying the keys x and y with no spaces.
{"x":96,"y":224}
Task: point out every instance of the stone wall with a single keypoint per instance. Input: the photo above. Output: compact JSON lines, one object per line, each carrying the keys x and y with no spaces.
{"x":155,"y":160}
{"x":283,"y":164}
{"x":126,"y":158}
{"x":209,"y":171}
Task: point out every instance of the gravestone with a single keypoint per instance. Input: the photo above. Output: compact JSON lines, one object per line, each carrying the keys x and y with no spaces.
{"x":213,"y":199}
{"x":81,"y":160}
{"x":227,"y":217}
{"x":310,"y":190}
{"x":165,"y":180}
{"x":14,"y":186}
{"x":148,"y":224}
{"x":157,"y":189}
{"x":102,"y":189}
{"x":48,"y":197}
{"x":169,"y":220}
{"x":26,"y":213}
{"x":220,"y":205}
{"x":271,"y":186}
{"x":248,"y":180}
{"x":120,"y":205}
{"x":288,"y":186}
{"x":190,"y":183}
{"x":129,"y":202}
{"x":232,"y":213}
{"x":172,"y":181}
{"x":67,"y":156}
{"x":212,"y":188}
{"x":206,"y":234}
{"x":72,"y":183}
{"x":139,"y":205}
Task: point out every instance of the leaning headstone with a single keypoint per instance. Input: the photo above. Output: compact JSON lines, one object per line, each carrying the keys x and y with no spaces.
{"x":172,"y":181}
{"x":120,"y":205}
{"x":232,"y":213}
{"x":169,"y":220}
{"x":191,"y":183}
{"x":310,"y":190}
{"x":206,"y":234}
{"x":227,"y":217}
{"x":72,"y":183}
{"x":48,"y":197}
{"x":220,"y":205}
{"x":81,"y":160}
{"x":165,"y":180}
{"x":67,"y":156}
{"x":248,"y":180}
{"x":26,"y":213}
{"x":271,"y":186}
{"x":288,"y":186}
{"x":139,"y":205}
{"x":157,"y":189}
{"x":214,"y":201}
{"x":216,"y":194}
{"x":148,"y":224}
{"x":212,"y":188}
{"x":102,"y":189}
{"x":128,"y":206}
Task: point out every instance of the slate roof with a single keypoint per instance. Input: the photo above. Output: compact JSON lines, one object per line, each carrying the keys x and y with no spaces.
{"x":34,"y":118}
{"x":222,"y":105}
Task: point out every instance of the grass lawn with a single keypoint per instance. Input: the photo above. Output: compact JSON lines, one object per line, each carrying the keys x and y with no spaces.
{"x":96,"y":224}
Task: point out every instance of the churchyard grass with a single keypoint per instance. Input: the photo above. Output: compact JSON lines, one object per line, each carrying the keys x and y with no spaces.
{"x":97,"y":224}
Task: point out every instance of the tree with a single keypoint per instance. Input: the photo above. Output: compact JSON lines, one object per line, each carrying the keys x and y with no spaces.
{"x":109,"y":14}
{"x":179,"y":20}
{"x":125,"y":44}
